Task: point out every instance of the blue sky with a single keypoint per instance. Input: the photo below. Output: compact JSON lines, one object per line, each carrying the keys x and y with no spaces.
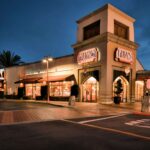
{"x":37,"y":28}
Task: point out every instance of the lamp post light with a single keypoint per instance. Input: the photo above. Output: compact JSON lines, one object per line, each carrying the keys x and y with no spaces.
{"x":127,"y":70}
{"x":47,"y":60}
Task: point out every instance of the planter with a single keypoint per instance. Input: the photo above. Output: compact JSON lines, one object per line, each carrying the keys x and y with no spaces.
{"x":117,"y":100}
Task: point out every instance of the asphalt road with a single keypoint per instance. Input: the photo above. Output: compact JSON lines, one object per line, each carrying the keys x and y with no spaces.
{"x":75,"y":134}
{"x":126,"y":123}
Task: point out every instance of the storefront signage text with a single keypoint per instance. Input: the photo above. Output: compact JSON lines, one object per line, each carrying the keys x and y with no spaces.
{"x":123,"y":55}
{"x":87,"y":56}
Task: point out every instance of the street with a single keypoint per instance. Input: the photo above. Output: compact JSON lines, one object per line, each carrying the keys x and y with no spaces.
{"x":73,"y":131}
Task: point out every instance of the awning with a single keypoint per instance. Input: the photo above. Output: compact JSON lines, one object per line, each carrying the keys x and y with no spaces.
{"x":143,"y":75}
{"x":29,"y":80}
{"x":59,"y":78}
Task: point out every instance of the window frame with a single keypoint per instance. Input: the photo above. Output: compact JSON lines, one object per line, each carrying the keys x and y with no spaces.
{"x":91,"y":30}
{"x":124,"y":27}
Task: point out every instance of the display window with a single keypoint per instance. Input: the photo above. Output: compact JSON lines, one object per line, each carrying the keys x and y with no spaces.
{"x":139,"y":90}
{"x":33,"y":90}
{"x":60,"y":88}
{"x":90,"y":90}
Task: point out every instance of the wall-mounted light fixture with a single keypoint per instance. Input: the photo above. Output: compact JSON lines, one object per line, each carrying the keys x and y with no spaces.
{"x":127,"y":70}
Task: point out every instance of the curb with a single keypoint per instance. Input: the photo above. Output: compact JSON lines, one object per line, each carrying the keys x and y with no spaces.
{"x":30,"y":101}
{"x":142,"y":113}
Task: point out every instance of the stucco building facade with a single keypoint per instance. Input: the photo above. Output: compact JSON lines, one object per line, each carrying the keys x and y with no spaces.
{"x":105,"y":52}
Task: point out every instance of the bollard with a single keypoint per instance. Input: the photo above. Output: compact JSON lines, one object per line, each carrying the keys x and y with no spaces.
{"x":72,"y":101}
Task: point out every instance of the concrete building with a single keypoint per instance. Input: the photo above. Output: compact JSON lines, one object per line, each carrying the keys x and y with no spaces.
{"x":105,"y":52}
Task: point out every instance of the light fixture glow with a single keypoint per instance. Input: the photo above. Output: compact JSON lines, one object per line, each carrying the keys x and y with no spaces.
{"x":44,"y":60}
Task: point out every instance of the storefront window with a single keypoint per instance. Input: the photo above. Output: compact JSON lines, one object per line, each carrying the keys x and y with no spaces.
{"x":139,"y":90}
{"x":90,"y":90}
{"x":28,"y":89}
{"x":33,"y":90}
{"x":60,"y":88}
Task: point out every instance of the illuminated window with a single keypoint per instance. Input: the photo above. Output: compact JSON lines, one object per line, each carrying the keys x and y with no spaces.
{"x":33,"y":90}
{"x":60,"y":88}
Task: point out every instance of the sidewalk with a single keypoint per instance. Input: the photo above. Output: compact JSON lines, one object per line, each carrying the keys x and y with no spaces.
{"x":79,"y":110}
{"x":131,"y":107}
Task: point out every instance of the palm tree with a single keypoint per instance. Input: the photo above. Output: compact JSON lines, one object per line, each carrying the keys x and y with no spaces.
{"x":8,"y":58}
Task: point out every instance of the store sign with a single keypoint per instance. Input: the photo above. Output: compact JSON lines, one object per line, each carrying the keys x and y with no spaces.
{"x":123,"y":55}
{"x":87,"y":56}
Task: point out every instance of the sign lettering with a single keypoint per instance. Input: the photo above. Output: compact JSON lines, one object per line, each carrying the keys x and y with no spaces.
{"x":86,"y":56}
{"x":123,"y":55}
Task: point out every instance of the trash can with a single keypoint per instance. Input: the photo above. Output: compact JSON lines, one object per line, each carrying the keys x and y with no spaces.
{"x":72,"y":100}
{"x":146,"y":104}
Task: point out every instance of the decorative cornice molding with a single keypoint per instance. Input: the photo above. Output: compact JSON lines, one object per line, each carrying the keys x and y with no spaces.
{"x":116,"y":39}
{"x":106,"y":7}
{"x":106,"y":37}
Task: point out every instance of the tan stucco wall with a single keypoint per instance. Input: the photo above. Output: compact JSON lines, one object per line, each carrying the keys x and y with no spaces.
{"x":102,"y":16}
{"x":106,"y":15}
{"x":13,"y":74}
{"x":60,"y":66}
{"x":115,"y":14}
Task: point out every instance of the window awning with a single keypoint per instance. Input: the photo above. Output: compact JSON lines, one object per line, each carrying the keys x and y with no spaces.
{"x":142,"y":75}
{"x":29,"y":80}
{"x":59,"y":78}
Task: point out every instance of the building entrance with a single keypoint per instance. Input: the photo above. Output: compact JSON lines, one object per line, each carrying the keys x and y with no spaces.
{"x":125,"y":84}
{"x":90,"y":90}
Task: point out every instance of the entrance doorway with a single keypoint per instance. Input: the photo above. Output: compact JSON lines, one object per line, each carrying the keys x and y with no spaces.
{"x":90,"y":90}
{"x":125,"y":84}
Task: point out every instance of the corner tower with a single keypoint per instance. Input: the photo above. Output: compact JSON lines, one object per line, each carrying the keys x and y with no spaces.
{"x":106,"y":52}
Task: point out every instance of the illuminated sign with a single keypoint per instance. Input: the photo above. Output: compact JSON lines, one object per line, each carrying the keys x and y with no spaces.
{"x":123,"y":55}
{"x":87,"y":56}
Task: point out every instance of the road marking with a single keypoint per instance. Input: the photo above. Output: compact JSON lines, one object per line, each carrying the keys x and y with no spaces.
{"x":111,"y":130}
{"x":99,"y":119}
{"x":144,"y":123}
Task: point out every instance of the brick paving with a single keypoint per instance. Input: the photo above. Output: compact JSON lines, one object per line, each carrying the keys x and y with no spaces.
{"x":66,"y":112}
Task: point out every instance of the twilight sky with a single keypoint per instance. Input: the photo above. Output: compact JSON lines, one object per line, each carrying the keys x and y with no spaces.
{"x":37,"y":28}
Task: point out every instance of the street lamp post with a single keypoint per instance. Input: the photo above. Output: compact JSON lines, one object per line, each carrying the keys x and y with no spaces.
{"x":47,"y":60}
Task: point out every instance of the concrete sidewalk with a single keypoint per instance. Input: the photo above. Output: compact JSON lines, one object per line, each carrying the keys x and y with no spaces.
{"x":131,"y":107}
{"x":79,"y":110}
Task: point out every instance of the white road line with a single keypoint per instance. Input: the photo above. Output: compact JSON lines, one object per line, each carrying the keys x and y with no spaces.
{"x":144,"y":123}
{"x":111,"y":130}
{"x":99,"y":119}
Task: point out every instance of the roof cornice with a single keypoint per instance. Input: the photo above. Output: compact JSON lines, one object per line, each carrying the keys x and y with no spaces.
{"x":106,"y":37}
{"x":106,"y":7}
